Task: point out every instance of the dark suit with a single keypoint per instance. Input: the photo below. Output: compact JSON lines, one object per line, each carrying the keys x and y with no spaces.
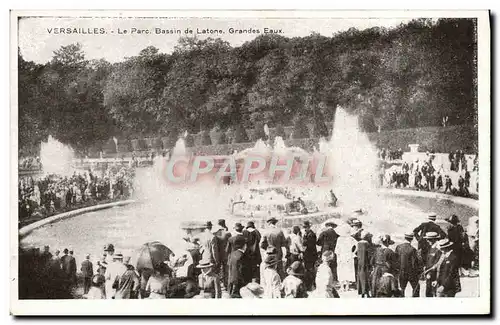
{"x":420,"y":232}
{"x":230,"y":243}
{"x":448,"y":277}
{"x":72,"y":267}
{"x":384,"y":260}
{"x":236,"y":278}
{"x":310,"y":257}
{"x":276,"y":238}
{"x":253,"y":251}
{"x":87,"y":273}
{"x":432,"y":259}
{"x":409,"y":267}
{"x":328,"y":241}
{"x":224,"y":256}
{"x":66,"y":265}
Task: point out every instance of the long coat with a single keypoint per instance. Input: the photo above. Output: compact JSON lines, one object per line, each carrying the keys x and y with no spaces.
{"x":420,"y":232}
{"x":410,"y":267}
{"x":448,"y":277}
{"x":274,"y":237}
{"x":253,"y":250}
{"x":230,"y":243}
{"x":364,"y":266}
{"x":87,"y":269}
{"x":456,"y":234}
{"x":384,"y":261}
{"x":237,"y":268}
{"x":309,"y":243}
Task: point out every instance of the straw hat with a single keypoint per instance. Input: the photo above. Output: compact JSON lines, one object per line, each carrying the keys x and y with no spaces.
{"x":445,"y":243}
{"x":204,"y":264}
{"x":431,"y":235}
{"x":251,"y":291}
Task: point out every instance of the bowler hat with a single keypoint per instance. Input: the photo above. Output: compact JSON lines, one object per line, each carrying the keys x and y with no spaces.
{"x":432,"y":216}
{"x":238,"y":227}
{"x":272,"y":220}
{"x":431,"y":235}
{"x":306,"y":224}
{"x":271,"y":260}
{"x":222,"y":223}
{"x":445,"y":243}
{"x":209,"y":224}
{"x":386,"y":239}
{"x":296,"y":269}
{"x":250,"y":224}
{"x":453,"y":220}
{"x":331,"y":224}
{"x":251,"y":290}
{"x":65,"y":251}
{"x":109,"y":248}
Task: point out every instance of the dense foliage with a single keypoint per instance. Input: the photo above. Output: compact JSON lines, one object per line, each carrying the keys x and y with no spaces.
{"x":413,"y":75}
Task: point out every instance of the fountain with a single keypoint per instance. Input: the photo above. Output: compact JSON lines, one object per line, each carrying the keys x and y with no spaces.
{"x":56,"y":157}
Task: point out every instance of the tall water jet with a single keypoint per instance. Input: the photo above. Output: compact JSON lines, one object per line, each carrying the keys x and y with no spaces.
{"x":56,"y":157}
{"x":352,"y":160}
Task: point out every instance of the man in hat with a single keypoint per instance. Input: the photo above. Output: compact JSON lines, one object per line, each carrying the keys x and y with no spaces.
{"x":87,"y":273}
{"x":237,"y":262}
{"x":431,"y":261}
{"x":223,"y":236}
{"x":447,"y":271}
{"x":424,"y":228}
{"x":456,"y":234}
{"x":238,"y":235}
{"x":409,"y":266}
{"x":327,"y":240}
{"x":384,"y":261}
{"x":310,"y":255}
{"x":72,"y":267}
{"x":109,"y":250}
{"x":253,"y":250}
{"x":66,"y":264}
{"x":114,"y":270}
{"x":364,"y":252}
{"x":275,"y":237}
{"x":210,"y":245}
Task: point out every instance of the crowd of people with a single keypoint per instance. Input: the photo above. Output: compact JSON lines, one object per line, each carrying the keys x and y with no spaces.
{"x":55,"y":193}
{"x":246,"y":263}
{"x":387,"y":154}
{"x":424,"y":176}
{"x":30,"y":163}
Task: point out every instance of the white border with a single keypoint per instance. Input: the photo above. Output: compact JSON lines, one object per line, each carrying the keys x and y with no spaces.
{"x":480,"y":305}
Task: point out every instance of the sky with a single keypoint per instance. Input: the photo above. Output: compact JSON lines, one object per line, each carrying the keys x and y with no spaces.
{"x":38,"y":41}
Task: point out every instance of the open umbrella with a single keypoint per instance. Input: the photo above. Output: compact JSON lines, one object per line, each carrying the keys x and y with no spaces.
{"x":152,"y":255}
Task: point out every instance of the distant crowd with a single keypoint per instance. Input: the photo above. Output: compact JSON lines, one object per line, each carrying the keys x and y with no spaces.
{"x":423,"y":175}
{"x":387,"y":154}
{"x":55,"y":193}
{"x":30,"y":163}
{"x":246,"y":264}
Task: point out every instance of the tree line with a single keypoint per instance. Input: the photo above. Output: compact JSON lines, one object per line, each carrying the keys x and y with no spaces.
{"x":413,"y":75}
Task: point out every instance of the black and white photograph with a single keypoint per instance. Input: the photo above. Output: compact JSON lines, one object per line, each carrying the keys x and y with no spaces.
{"x":236,"y":155}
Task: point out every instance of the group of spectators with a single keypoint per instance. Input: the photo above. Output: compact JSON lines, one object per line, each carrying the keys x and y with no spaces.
{"x":423,"y":176}
{"x":387,"y":154}
{"x":275,"y":264}
{"x":30,"y":163}
{"x":55,"y":193}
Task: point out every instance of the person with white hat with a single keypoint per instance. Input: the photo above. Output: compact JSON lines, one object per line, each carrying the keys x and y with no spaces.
{"x":432,"y":258}
{"x":447,"y":277}
{"x":114,"y":270}
{"x":208,"y":281}
{"x":425,"y":227}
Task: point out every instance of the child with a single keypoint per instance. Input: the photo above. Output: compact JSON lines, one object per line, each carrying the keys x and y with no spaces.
{"x":208,"y":281}
{"x":293,"y":286}
{"x":270,"y":279}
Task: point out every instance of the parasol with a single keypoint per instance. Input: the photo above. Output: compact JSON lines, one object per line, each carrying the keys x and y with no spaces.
{"x":151,"y":255}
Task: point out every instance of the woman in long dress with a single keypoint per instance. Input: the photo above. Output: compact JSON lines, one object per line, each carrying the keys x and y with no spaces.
{"x":346,"y":250}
